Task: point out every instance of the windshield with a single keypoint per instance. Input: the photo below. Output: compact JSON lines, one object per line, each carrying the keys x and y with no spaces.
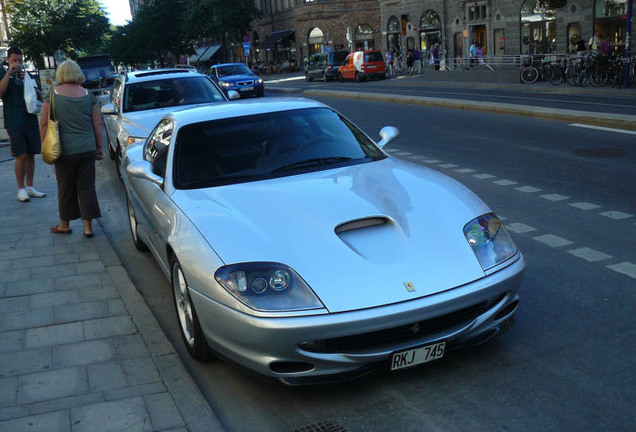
{"x":258,"y":147}
{"x":168,"y":92}
{"x":237,"y":69}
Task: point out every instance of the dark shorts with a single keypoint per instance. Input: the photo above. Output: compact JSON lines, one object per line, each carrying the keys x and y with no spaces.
{"x":24,"y":140}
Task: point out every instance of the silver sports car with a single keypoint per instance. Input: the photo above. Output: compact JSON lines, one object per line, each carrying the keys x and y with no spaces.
{"x":298,"y":248}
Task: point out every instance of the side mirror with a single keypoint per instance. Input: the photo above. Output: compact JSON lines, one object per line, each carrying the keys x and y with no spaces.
{"x":388,"y":134}
{"x":143,"y":170}
{"x":233,"y":95}
{"x":109,"y":109}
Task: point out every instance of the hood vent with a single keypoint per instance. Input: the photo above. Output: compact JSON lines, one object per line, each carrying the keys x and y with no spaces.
{"x":361,"y":223}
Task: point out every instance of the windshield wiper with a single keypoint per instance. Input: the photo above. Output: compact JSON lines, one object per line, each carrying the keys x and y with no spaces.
{"x":312,"y":162}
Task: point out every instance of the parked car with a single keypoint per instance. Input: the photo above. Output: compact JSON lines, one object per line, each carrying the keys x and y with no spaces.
{"x":362,"y":65}
{"x":298,"y":248}
{"x":237,"y":77}
{"x":325,"y":65}
{"x":139,"y":99}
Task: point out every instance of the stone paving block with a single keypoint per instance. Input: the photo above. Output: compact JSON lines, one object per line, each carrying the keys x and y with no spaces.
{"x":88,"y":256}
{"x":15,"y":254}
{"x":65,"y":403}
{"x":105,"y":376}
{"x":55,"y":421}
{"x":52,"y":385}
{"x":5,"y":264}
{"x":54,"y":298}
{"x":26,"y":361}
{"x":56,"y":271}
{"x":15,"y":275}
{"x":117,"y":307}
{"x":13,"y":413}
{"x":15,"y":304}
{"x":39,"y":261}
{"x":130,"y":346}
{"x":81,"y":311}
{"x":67,"y":258}
{"x":11,"y":341}
{"x":98,"y":293}
{"x":107,"y":327}
{"x":88,"y":267}
{"x":54,"y":335}
{"x":78,"y":281}
{"x":8,"y":391}
{"x":140,"y":370}
{"x":140,"y":390}
{"x":24,"y":320}
{"x":163,"y":411}
{"x":82,"y":353}
{"x":115,"y":416}
{"x":28,"y":287}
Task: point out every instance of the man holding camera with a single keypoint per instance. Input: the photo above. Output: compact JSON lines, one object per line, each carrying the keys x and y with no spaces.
{"x":22,"y":127}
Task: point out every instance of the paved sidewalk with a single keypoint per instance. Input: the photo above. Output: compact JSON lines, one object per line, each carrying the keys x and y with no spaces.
{"x":79,"y":348}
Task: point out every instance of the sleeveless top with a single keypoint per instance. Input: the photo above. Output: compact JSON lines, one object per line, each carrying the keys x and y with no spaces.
{"x":75,"y":123}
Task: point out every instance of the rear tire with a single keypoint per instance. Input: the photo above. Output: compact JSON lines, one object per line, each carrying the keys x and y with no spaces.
{"x":189,"y":326}
{"x":529,"y":74}
{"x":557,"y":75}
{"x":308,"y":78}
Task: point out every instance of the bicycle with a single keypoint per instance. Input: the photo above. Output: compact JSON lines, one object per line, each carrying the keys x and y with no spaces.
{"x":529,"y":74}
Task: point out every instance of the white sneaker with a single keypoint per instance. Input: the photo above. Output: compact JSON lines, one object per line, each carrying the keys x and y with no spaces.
{"x":23,"y":195}
{"x":33,"y":192}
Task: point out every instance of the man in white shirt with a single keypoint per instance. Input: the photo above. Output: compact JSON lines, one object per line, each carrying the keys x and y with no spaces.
{"x":594,"y":44}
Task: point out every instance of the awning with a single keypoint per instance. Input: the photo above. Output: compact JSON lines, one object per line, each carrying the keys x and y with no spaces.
{"x":276,"y":38}
{"x":204,"y":53}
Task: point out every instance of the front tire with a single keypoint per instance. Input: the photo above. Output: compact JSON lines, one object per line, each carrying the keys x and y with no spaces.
{"x":340,"y":77}
{"x":189,"y":325}
{"x":308,"y":78}
{"x":529,"y":74}
{"x":359,"y":77}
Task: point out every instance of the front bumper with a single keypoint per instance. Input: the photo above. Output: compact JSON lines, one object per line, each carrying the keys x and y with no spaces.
{"x":300,"y":350}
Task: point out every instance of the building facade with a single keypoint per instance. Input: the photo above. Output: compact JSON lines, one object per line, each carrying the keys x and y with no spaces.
{"x":503,"y":27}
{"x":294,"y":29}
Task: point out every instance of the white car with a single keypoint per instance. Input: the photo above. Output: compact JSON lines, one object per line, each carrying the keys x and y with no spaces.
{"x":139,"y":99}
{"x":298,"y":248}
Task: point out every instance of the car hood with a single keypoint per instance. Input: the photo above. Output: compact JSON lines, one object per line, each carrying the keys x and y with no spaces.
{"x":238,"y":78}
{"x":293,"y":220}
{"x":141,"y":123}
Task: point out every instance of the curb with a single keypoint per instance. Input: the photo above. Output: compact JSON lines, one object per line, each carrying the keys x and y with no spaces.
{"x":620,"y":121}
{"x":194,"y":408}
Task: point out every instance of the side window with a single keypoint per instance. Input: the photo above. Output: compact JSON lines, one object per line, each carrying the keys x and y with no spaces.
{"x":157,"y":146}
{"x":115,"y":95}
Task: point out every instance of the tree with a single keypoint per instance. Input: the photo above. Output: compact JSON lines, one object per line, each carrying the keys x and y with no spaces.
{"x":44,"y":26}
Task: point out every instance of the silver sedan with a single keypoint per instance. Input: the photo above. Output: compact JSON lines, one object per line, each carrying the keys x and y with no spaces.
{"x":298,"y":248}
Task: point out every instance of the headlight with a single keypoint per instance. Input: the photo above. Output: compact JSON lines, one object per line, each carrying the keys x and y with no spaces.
{"x":267,"y":286}
{"x":489,"y":240}
{"x":226,"y":84}
{"x":260,"y":80}
{"x":132,"y":139}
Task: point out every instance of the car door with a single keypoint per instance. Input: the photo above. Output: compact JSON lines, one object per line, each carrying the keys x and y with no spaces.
{"x":347,"y":70}
{"x":149,"y":199}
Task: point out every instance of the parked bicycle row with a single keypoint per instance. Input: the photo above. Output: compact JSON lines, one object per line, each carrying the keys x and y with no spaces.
{"x":591,"y":69}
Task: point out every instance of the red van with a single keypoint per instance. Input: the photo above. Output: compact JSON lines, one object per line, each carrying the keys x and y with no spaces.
{"x":362,"y":65}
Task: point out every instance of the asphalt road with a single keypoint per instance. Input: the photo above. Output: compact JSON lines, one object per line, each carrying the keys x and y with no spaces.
{"x":567,"y":365}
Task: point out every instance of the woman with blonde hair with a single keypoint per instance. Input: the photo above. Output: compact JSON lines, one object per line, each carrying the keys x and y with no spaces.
{"x":81,"y":136}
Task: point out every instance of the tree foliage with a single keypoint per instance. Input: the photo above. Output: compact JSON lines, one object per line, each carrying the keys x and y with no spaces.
{"x":44,"y":26}
{"x":220,"y":19}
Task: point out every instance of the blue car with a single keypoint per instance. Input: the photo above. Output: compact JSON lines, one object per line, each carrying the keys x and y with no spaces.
{"x":238,"y":77}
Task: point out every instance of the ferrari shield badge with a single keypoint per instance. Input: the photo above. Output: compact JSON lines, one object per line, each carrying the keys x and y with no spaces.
{"x":409,"y":286}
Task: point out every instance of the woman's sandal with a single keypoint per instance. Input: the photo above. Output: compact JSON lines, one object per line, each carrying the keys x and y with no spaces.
{"x":88,"y":235}
{"x":56,"y":230}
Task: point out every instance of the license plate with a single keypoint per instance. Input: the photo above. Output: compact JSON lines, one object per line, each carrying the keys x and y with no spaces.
{"x":246,"y":88}
{"x":416,"y":356}
{"x":371,"y":67}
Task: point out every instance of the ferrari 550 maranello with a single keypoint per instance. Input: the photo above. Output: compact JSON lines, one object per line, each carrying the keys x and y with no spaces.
{"x":298,"y":248}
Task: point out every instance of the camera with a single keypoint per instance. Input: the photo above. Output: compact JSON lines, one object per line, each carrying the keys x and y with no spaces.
{"x":19,"y":71}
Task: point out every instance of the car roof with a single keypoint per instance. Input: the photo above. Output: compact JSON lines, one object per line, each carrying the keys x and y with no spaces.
{"x":228,"y":64}
{"x":156,"y":74}
{"x":240,"y":109}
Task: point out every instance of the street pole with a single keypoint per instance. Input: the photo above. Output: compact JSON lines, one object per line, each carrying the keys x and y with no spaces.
{"x":628,"y":36}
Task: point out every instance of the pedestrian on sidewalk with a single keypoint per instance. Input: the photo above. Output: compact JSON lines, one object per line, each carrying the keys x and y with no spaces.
{"x":417,"y":61}
{"x":435,"y":56}
{"x":22,"y":127}
{"x":81,"y":136}
{"x":409,"y":61}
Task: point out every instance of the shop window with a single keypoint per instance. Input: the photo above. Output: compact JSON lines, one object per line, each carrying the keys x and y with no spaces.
{"x":538,"y":27}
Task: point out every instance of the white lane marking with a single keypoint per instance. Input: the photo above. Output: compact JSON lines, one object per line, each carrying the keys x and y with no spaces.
{"x":528,"y":189}
{"x":625,"y":268}
{"x":403,"y":153}
{"x":431,"y":161}
{"x":519,"y":228}
{"x":483,"y":176}
{"x":585,"y":206}
{"x":392,"y":150}
{"x":552,"y":240}
{"x":449,"y":166}
{"x":616,"y":215}
{"x":505,"y":182}
{"x":606,"y":129}
{"x":464,"y":170}
{"x":588,"y":254}
{"x":555,"y":197}
{"x":417,"y":157}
